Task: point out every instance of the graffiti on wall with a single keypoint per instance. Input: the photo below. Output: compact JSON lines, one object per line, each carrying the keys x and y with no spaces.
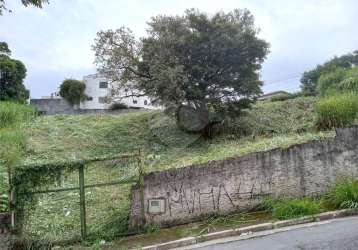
{"x":213,"y":198}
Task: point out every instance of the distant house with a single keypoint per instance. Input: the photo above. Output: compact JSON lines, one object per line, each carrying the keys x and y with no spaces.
{"x":99,"y":99}
{"x":271,"y":95}
{"x":99,"y":96}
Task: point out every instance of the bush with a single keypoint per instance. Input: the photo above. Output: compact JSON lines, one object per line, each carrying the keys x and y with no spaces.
{"x":344,"y":193}
{"x":281,"y":97}
{"x":284,"y":97}
{"x":118,"y":105}
{"x":329,"y":83}
{"x":267,"y":118}
{"x":340,"y":80}
{"x":337,"y":111}
{"x":349,"y":84}
{"x":73,"y":91}
{"x":291,"y":208}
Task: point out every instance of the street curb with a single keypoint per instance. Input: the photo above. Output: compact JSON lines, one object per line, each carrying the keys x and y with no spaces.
{"x":251,"y":229}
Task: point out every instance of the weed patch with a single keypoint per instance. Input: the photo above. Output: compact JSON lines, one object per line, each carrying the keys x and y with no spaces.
{"x":344,"y":194}
{"x":283,"y":209}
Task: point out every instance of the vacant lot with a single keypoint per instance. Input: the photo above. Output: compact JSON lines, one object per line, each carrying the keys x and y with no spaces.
{"x":57,"y":138}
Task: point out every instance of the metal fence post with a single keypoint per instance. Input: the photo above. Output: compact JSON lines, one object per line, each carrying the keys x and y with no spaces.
{"x":11,"y":202}
{"x":81,"y":176}
{"x":141,"y":191}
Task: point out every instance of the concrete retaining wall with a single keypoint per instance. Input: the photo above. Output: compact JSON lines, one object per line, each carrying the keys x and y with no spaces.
{"x":54,"y":106}
{"x":240,"y":183}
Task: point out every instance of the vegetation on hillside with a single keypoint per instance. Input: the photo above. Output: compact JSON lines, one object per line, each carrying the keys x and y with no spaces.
{"x":63,"y":137}
{"x":54,"y":138}
{"x":339,"y":80}
{"x":266,"y":126}
{"x":279,"y":117}
{"x":336,"y":111}
{"x":309,"y":80}
{"x":12,"y":142}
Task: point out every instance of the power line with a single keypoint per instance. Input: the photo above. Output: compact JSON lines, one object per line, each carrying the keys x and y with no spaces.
{"x":296,"y":75}
{"x":281,"y":80}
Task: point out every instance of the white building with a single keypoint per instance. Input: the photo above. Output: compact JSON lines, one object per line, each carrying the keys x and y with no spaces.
{"x":98,"y":95}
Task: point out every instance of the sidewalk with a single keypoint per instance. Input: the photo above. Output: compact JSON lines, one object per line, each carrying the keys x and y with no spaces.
{"x":245,"y":232}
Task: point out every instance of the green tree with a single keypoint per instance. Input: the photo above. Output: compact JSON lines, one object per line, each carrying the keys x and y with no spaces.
{"x":204,"y":62}
{"x":73,"y":91}
{"x":36,"y":3}
{"x":12,"y":75}
{"x":309,"y":80}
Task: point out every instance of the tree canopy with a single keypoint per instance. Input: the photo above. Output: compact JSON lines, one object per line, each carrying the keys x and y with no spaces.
{"x":36,"y":3}
{"x":309,"y":80}
{"x":200,"y":60}
{"x":12,"y":75}
{"x":73,"y":91}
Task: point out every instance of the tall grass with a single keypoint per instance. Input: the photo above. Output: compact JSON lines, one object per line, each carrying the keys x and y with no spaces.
{"x":291,"y":208}
{"x":12,"y":141}
{"x":12,"y":114}
{"x":329,"y":83}
{"x":349,"y":85}
{"x":344,"y":193}
{"x":339,"y":110}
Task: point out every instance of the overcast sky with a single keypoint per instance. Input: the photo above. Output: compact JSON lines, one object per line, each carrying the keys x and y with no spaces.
{"x":55,"y":42}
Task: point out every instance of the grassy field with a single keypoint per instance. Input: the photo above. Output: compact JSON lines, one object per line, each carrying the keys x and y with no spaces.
{"x":65,"y":137}
{"x":53,"y":138}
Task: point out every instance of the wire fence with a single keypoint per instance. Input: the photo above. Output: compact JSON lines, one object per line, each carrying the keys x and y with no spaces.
{"x":89,"y":201}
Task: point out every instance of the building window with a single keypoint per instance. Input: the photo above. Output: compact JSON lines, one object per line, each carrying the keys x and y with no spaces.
{"x":145,"y":102}
{"x":102,"y":99}
{"x":89,"y":98}
{"x":103,"y":85}
{"x":135,"y":101}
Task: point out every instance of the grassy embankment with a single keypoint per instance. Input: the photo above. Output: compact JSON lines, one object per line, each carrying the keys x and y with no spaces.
{"x":55,"y":138}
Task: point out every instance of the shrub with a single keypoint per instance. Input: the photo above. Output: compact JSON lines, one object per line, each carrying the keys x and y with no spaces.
{"x":349,"y":84}
{"x":284,"y":97}
{"x":291,"y":208}
{"x":337,"y":111}
{"x":281,"y":97}
{"x":73,"y":91}
{"x":266,"y":118}
{"x":329,"y":83}
{"x":118,"y":105}
{"x":344,"y":193}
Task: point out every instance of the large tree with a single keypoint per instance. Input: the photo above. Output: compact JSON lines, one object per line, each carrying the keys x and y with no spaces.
{"x":205,"y":62}
{"x":309,"y":80}
{"x":36,"y":3}
{"x":12,"y":75}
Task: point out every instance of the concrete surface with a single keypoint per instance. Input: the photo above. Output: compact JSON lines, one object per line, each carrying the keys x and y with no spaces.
{"x":337,"y":234}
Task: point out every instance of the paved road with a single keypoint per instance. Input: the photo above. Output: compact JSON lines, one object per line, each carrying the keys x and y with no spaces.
{"x":339,"y":234}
